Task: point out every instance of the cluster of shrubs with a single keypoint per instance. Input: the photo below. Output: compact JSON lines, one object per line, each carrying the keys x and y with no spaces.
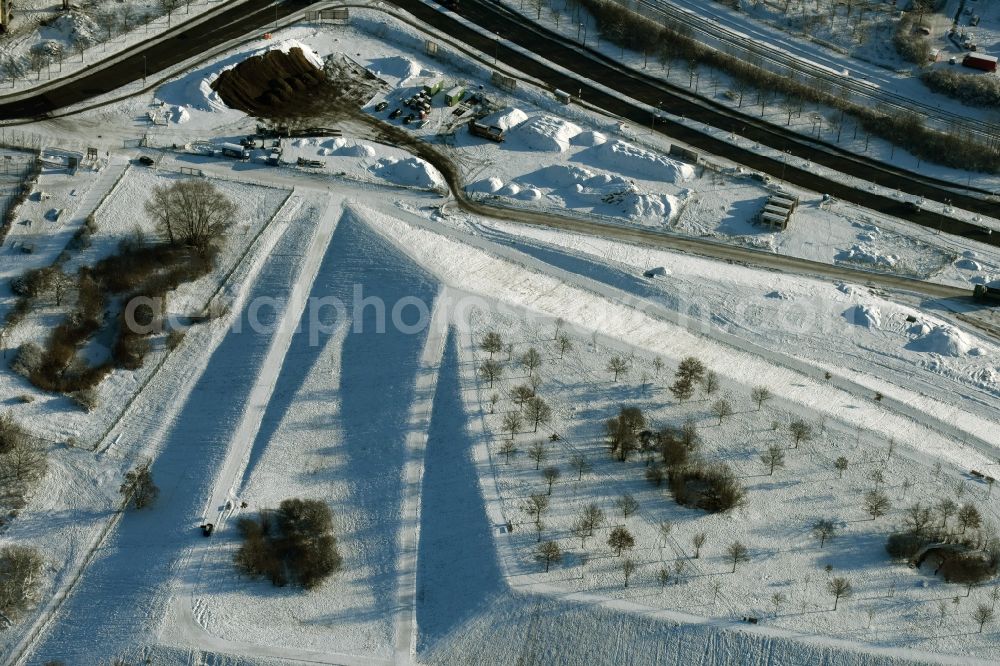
{"x":972,"y":89}
{"x":671,"y":456}
{"x":21,"y":577}
{"x":969,"y":556}
{"x":23,"y":463}
{"x":293,"y":545}
{"x":137,"y":271}
{"x":909,"y":42}
{"x":632,"y":31}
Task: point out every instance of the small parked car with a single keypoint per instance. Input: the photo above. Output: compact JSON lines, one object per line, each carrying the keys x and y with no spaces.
{"x":207,"y":529}
{"x":395,"y":114}
{"x":145,"y":160}
{"x":381,"y":106}
{"x":409,"y":119}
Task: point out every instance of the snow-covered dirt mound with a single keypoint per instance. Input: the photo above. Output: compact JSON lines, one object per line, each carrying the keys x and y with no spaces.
{"x":545,"y":133}
{"x":348,"y":148}
{"x":589,"y":139}
{"x":409,"y":171}
{"x":867,"y":254}
{"x":968,"y":264}
{"x":505,"y":118}
{"x":288,"y":45}
{"x":179,"y":115}
{"x":631,"y":160}
{"x":864,"y":315}
{"x":558,"y":176}
{"x":942,"y":340}
{"x":395,"y":67}
{"x":490,"y":185}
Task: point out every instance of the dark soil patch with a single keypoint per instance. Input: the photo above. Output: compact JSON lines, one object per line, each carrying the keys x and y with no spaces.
{"x":271,"y":85}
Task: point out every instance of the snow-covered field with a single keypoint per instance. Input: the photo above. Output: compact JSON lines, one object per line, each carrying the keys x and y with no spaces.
{"x":343,"y":394}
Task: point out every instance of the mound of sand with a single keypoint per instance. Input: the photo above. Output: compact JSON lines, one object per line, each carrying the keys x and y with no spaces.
{"x":865,"y":316}
{"x":411,"y":171}
{"x":942,"y":340}
{"x":505,"y":118}
{"x":543,"y":133}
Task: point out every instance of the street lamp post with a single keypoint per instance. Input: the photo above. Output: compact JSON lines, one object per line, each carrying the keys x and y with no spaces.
{"x":584,"y":33}
{"x":144,"y":69}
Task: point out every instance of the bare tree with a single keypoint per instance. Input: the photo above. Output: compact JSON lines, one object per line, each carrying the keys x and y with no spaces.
{"x":592,"y":518}
{"x":538,"y":411}
{"x":778,"y":598}
{"x":535,"y":506}
{"x":838,"y":587}
{"x":968,"y":516}
{"x":548,"y":552}
{"x":721,"y":408}
{"x":773,"y":457}
{"x":512,"y":423}
{"x":800,"y":432}
{"x":564,"y":344}
{"x":191,"y":212}
{"x":664,"y":578}
{"x":876,"y":503}
{"x":657,"y":366}
{"x":760,"y":395}
{"x":22,"y":464}
{"x":531,"y":360}
{"x":824,"y":529}
{"x":551,"y":475}
{"x":618,"y":366}
{"x":840,"y":464}
{"x":138,"y":487}
{"x":521,"y":394}
{"x":508,"y":448}
{"x":627,"y":505}
{"x":580,"y":465}
{"x":492,"y":343}
{"x":982,"y":615}
{"x":628,"y":566}
{"x":918,"y":518}
{"x":490,"y":371}
{"x":620,"y":540}
{"x":737,"y":553}
{"x":698,"y":540}
{"x":21,"y":570}
{"x":537,"y":453}
{"x":710,"y":385}
{"x":946,"y":508}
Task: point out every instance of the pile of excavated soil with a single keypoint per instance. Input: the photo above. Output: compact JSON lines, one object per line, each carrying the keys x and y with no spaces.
{"x":275,"y":84}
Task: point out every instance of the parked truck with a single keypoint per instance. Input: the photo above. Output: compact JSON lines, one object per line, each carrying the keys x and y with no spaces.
{"x":235,"y":150}
{"x":985,"y":294}
{"x":987,"y":63}
{"x":491,"y":132}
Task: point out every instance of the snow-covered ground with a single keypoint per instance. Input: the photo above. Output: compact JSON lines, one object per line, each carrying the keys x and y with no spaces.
{"x":396,"y":430}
